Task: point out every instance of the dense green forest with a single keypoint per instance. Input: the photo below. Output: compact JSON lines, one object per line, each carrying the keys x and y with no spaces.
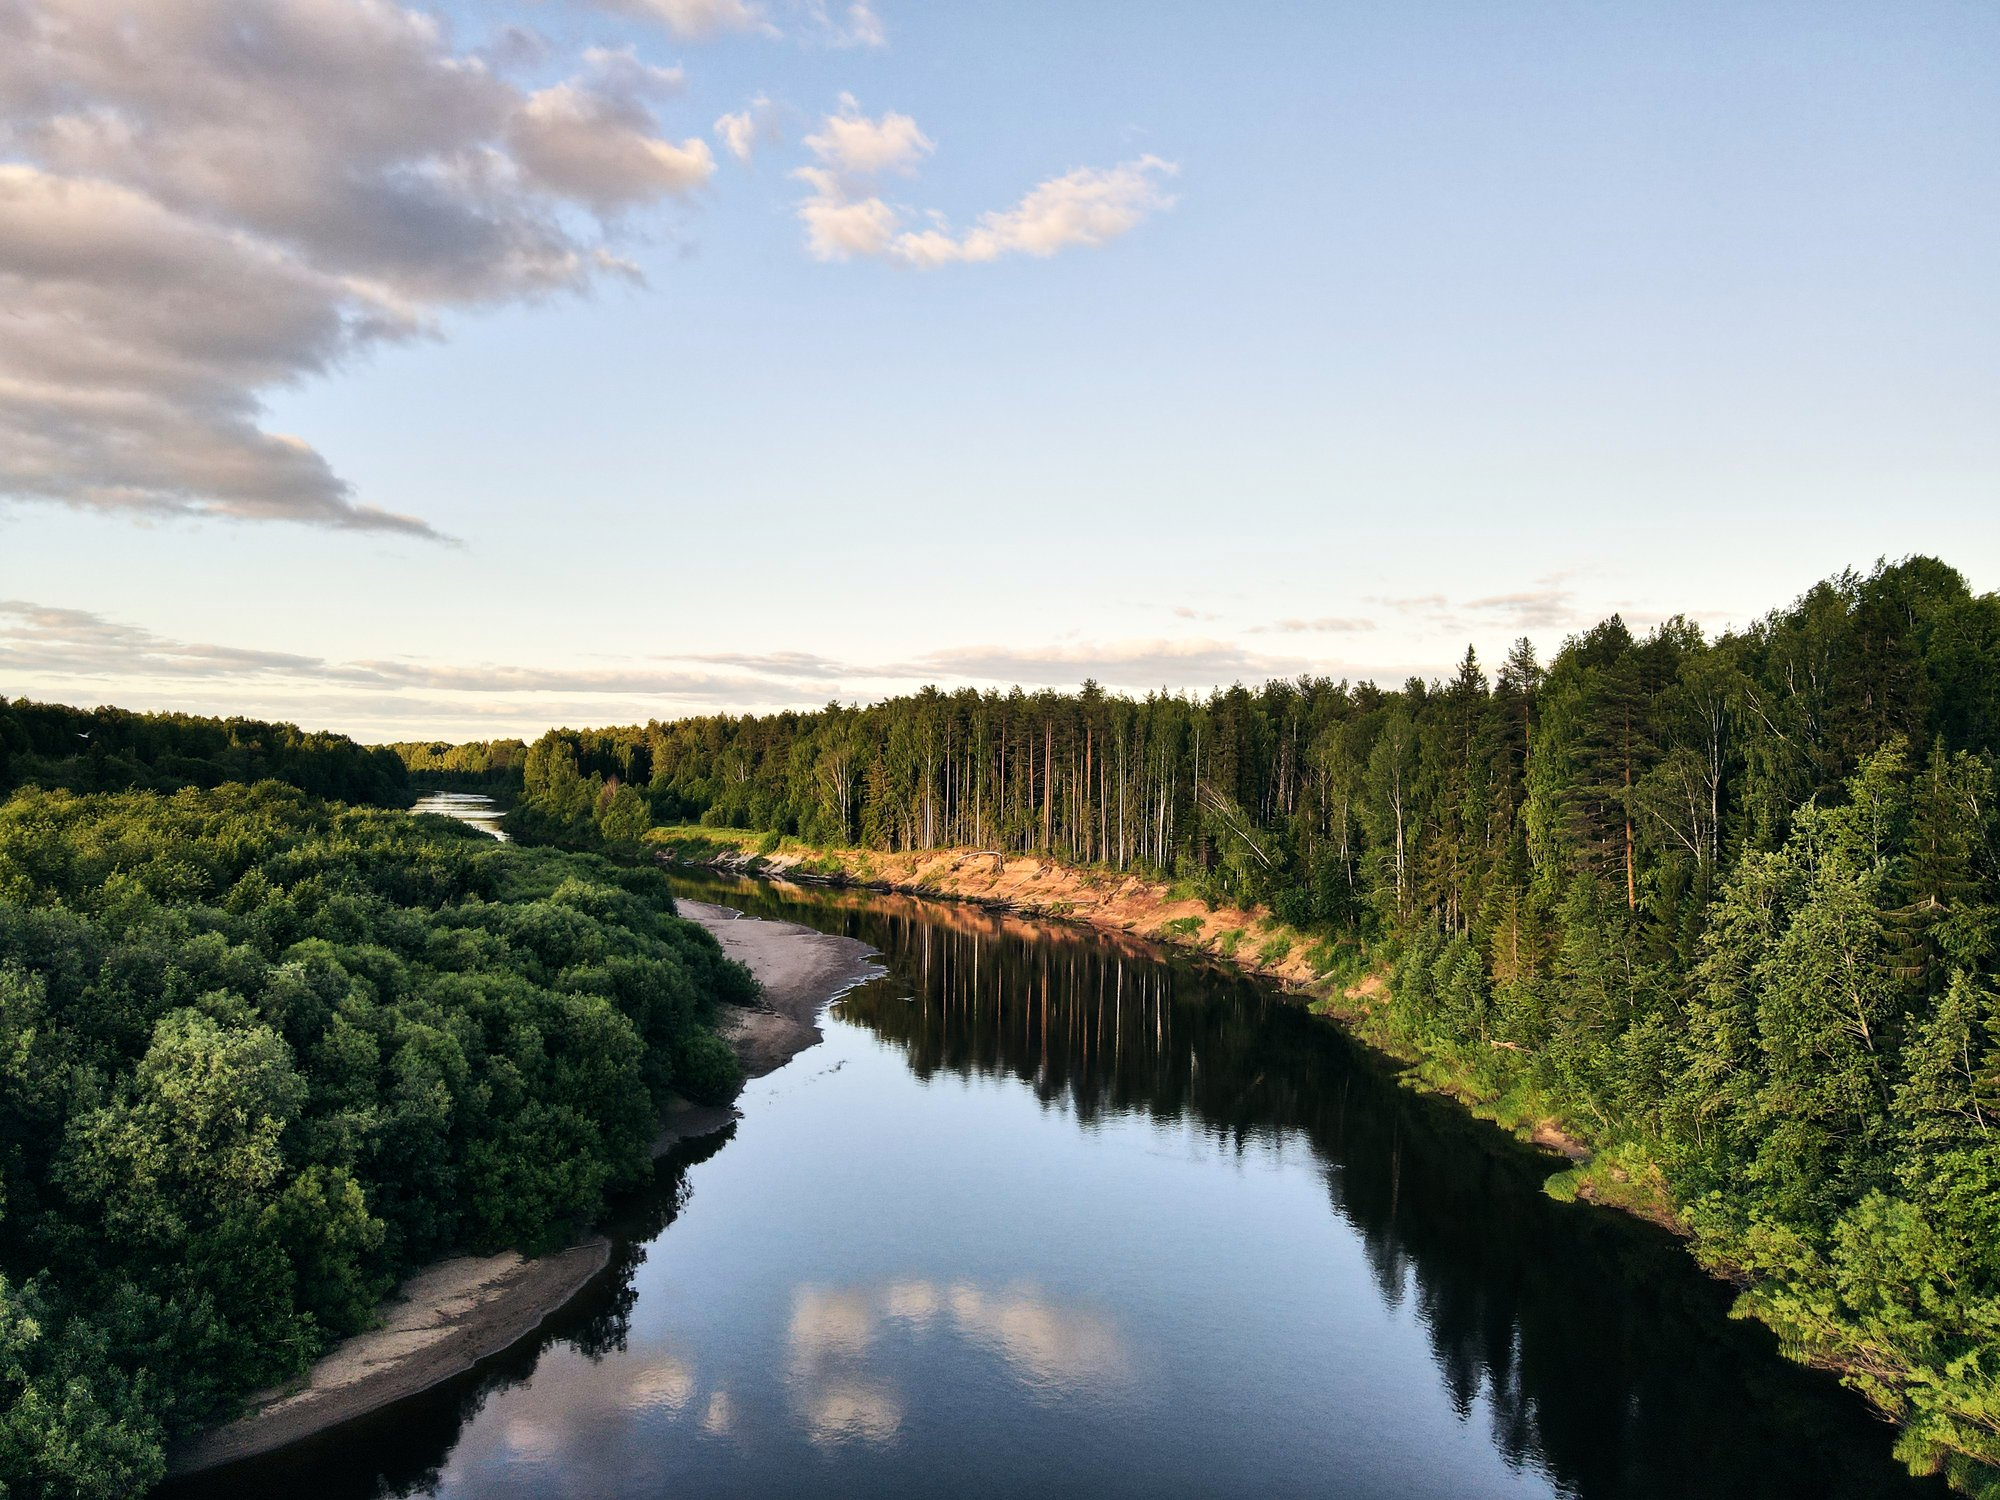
{"x":1725,"y":906}
{"x":263,"y":1054}
{"x":492,"y":767}
{"x":108,"y":749}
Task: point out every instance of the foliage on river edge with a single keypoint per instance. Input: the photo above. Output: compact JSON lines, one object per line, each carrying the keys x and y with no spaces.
{"x":263,"y":1055}
{"x":1726,"y":908}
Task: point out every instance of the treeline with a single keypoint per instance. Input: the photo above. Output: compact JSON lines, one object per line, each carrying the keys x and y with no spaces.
{"x":110,"y":749}
{"x":492,"y":767}
{"x":261,"y":1055}
{"x":1727,"y":906}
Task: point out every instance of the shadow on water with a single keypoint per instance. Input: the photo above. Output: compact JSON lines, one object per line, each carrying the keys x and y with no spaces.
{"x":1598,"y":1354}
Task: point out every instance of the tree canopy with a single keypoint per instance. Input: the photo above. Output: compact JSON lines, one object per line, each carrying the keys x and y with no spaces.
{"x":261,"y":1055}
{"x":109,"y":749}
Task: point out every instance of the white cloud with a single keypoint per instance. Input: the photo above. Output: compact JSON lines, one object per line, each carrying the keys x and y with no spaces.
{"x":1139,"y":665}
{"x":1526,"y":609}
{"x":622,"y":73}
{"x":1325,"y":624}
{"x":850,"y":144}
{"x":1529,"y":608}
{"x":838,"y":228}
{"x":210,"y":198}
{"x":756,"y":124}
{"x":811,"y":21}
{"x":1089,"y":206}
{"x":863,"y":27}
{"x":598,"y":150}
{"x":856,"y":25}
{"x":695,"y":20}
{"x":846,"y":218}
{"x":77,"y":656}
{"x":134,"y":340}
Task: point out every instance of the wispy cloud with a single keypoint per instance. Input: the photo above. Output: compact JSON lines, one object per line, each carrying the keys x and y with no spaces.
{"x":694,"y":20}
{"x":81,"y":656}
{"x":46,"y":642}
{"x":856,"y":25}
{"x":1137,"y":664}
{"x":781,"y":664}
{"x":809,"y":22}
{"x":40,"y":638}
{"x":1090,"y":206}
{"x":846,"y":218}
{"x":1324,"y":625}
{"x":1545,"y":608}
{"x":1530,"y":608}
{"x":747,"y":129}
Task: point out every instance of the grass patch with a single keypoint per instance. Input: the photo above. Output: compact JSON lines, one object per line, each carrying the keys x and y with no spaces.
{"x":1275,"y":951}
{"x":696,"y":845}
{"x":1620,"y":1176}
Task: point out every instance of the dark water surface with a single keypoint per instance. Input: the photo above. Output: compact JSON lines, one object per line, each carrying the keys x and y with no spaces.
{"x":1052,"y":1214}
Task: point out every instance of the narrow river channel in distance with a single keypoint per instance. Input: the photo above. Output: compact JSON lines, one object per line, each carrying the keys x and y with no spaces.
{"x":1055,"y":1213}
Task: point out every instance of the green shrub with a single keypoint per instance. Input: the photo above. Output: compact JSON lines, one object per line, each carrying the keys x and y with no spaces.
{"x":706,"y":1070}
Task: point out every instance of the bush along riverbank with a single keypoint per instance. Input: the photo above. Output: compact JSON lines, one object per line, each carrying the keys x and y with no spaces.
{"x":263,"y":1056}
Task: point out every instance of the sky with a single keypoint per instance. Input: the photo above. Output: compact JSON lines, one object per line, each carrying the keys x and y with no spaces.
{"x":453,"y":372}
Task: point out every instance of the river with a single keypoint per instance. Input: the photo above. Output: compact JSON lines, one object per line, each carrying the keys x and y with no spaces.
{"x":468,"y":807}
{"x":1053,"y":1213}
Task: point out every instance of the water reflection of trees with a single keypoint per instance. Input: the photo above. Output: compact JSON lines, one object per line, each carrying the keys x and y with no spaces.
{"x":1598,"y":1352}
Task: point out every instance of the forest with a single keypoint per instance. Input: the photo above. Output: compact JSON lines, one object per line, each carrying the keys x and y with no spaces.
{"x":263,"y":1054}
{"x":492,"y":767}
{"x":1724,"y":907}
{"x":109,"y":749}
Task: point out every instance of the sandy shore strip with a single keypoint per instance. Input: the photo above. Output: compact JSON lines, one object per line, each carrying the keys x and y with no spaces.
{"x":446,"y":1319}
{"x":801,"y":970}
{"x":687,"y":1121}
{"x":453,"y":1314}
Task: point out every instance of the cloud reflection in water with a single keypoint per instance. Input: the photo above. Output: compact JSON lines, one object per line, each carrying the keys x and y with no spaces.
{"x":1050,"y":1348}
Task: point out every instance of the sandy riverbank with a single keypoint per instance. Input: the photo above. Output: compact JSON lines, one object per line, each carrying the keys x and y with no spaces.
{"x":453,"y":1314}
{"x":800,"y":968}
{"x":444,"y":1320}
{"x":1250,"y":939}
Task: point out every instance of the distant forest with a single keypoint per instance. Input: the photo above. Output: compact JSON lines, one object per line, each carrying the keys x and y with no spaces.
{"x":109,"y":749}
{"x":493,"y":767}
{"x":1727,"y":907}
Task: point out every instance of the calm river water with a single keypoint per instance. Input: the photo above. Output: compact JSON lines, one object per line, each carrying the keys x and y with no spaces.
{"x":1053,"y":1214}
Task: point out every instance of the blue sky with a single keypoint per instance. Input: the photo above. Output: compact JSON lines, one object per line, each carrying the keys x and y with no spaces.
{"x":1463,"y":322}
